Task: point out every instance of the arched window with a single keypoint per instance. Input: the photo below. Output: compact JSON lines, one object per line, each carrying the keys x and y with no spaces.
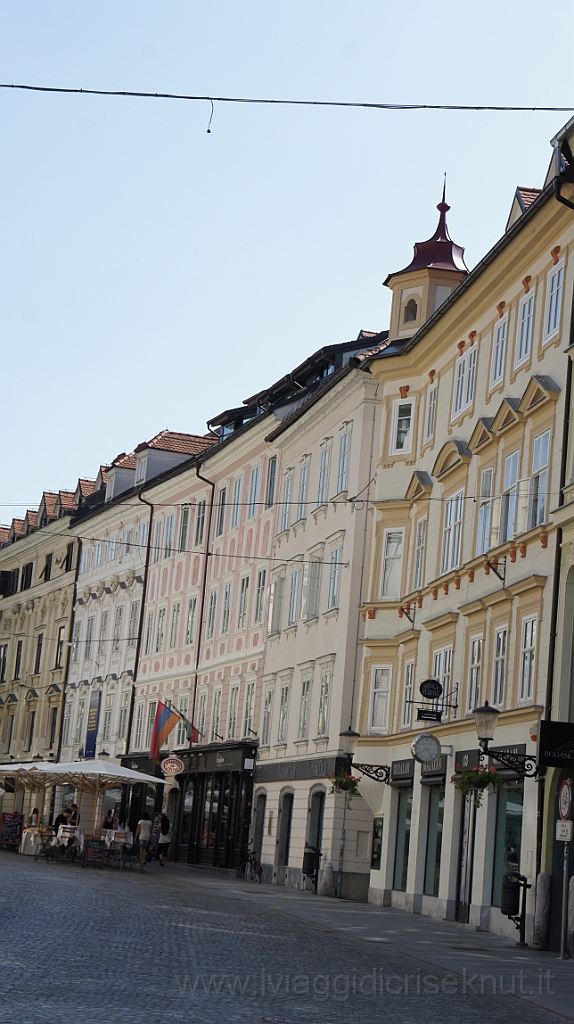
{"x":410,"y":311}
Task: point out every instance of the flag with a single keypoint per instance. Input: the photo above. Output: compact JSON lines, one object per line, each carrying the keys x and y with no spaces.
{"x":165,"y":720}
{"x":191,"y":733}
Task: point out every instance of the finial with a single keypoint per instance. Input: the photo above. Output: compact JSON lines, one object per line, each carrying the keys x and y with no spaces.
{"x":443,"y":206}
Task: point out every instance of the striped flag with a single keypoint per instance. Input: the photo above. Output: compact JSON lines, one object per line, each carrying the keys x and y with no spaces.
{"x":165,"y":720}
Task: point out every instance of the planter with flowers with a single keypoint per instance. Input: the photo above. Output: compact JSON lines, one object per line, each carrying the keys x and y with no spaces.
{"x":343,"y":782}
{"x":477,"y":780}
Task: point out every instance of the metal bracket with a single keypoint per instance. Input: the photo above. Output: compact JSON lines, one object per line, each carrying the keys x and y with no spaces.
{"x":410,"y":617}
{"x":495,"y":566}
{"x":523,"y":764}
{"x":378,"y":772}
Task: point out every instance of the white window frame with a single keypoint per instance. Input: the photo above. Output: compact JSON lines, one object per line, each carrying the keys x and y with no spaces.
{"x":325,"y":687}
{"x":211,"y":614}
{"x":267,"y":717}
{"x":142,"y":465}
{"x":138,"y":732}
{"x":216,"y":715}
{"x":276,"y":603}
{"x":381,"y":678}
{"x":524,"y":330}
{"x":302,"y":494}
{"x":334,"y":578}
{"x":233,"y":712}
{"x":118,"y":624}
{"x":221,"y":506}
{"x":190,"y":620}
{"x":133,"y":624}
{"x":200,"y":511}
{"x":168,"y":539}
{"x":226,"y":612}
{"x":294,"y":594}
{"x":159,"y":631}
{"x":271,"y":482}
{"x":499,"y":665}
{"x":510,"y":494}
{"x":539,"y":479}
{"x":485,"y":509}
{"x":149,"y":633}
{"x":123,"y":716}
{"x":151,"y":710}
{"x":286,"y":503}
{"x":183,"y":708}
{"x":452,"y":532}
{"x":420,"y":553}
{"x":343,"y":464}
{"x":157,"y":541}
{"x":499,"y":345}
{"x":464,"y":381}
{"x":80,"y":720}
{"x":249,"y":708}
{"x":304,"y":708}
{"x":253,"y":492}
{"x":430,"y":412}
{"x":314,"y":586}
{"x":183,"y":529}
{"x":552,"y":311}
{"x":236,"y":504}
{"x":283,"y":713}
{"x":474,"y":673}
{"x":260,"y":595}
{"x":388,"y":569}
{"x":408,"y":695}
{"x":174,"y":625}
{"x":528,"y":638}
{"x":407,"y":447}
{"x":243,"y":601}
{"x":324,"y":464}
{"x":202,"y":713}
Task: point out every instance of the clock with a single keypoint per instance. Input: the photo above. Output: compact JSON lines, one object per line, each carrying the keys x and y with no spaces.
{"x":425,"y":747}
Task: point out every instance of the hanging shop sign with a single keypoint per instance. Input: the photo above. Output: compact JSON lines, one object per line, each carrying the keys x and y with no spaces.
{"x":172,"y":765}
{"x":556,"y":745}
{"x":93,"y":722}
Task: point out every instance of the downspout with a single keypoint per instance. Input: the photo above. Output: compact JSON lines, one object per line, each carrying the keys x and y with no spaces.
{"x":68,"y":647}
{"x":207,"y":554}
{"x":141,"y":624}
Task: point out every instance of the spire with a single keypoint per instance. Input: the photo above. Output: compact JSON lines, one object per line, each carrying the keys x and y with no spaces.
{"x":439,"y":251}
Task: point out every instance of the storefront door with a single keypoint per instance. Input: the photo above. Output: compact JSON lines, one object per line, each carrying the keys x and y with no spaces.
{"x":465,"y":858}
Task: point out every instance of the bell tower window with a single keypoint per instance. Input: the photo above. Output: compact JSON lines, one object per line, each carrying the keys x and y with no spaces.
{"x":411,"y":311}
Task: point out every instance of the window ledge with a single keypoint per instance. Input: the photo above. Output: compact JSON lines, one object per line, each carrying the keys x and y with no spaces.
{"x":280,"y":747}
{"x":321,"y":510}
{"x":311,"y":620}
{"x":331,"y":613}
{"x":282,"y":535}
{"x":340,"y":498}
{"x":301,"y":743}
{"x":291,"y":628}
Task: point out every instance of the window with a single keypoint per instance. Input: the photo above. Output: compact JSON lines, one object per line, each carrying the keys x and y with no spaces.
{"x":47,"y":570}
{"x":242,"y":608}
{"x":38,"y":658}
{"x":118,"y":622}
{"x":148,"y":633}
{"x":65,"y":725}
{"x":324,"y":475}
{"x":190,"y":621}
{"x":276,"y":605}
{"x":97,"y":558}
{"x":410,"y":313}
{"x":524,"y":331}
{"x":233,"y":708}
{"x":127,"y":542}
{"x":133,"y":624}
{"x":293,"y":612}
{"x":539,"y":482}
{"x":89,"y":637}
{"x":407,"y":695}
{"x":483,"y":536}
{"x":26,"y":581}
{"x":211,"y":614}
{"x":183,"y":529}
{"x":253,"y":492}
{"x":499,"y":672}
{"x":343,"y":467}
{"x":249,"y":708}
{"x":379,"y":710}
{"x":324,"y":701}
{"x":509,"y":812}
{"x":527,"y":656}
{"x":29,"y":734}
{"x":142,"y":535}
{"x":475,"y":668}
{"x":260,"y":595}
{"x":430,"y":415}
{"x":3,"y":661}
{"x":271,"y":478}
{"x":553,"y":301}
{"x":181,"y":734}
{"x":464,"y":379}
{"x":174,"y":628}
{"x":285,"y":517}
{"x":303,"y":732}
{"x":498,"y":351}
{"x":108,"y":708}
{"x":18,"y":660}
{"x":509,"y":498}
{"x":221,"y":503}
{"x":420,"y":546}
{"x":150,"y":720}
{"x":60,"y":646}
{"x":169,"y":535}
{"x":76,"y":641}
{"x":334,"y":577}
{"x":283,"y":714}
{"x":202,"y":713}
{"x":112,"y":549}
{"x":160,"y":629}
{"x":200,"y":521}
{"x":141,"y":468}
{"x":267,"y":716}
{"x":123,"y":719}
{"x":157,"y":544}
{"x":442,"y":667}
{"x":402,"y":845}
{"x":226,"y":608}
{"x":452,"y":532}
{"x":69,"y":557}
{"x":401,"y":429}
{"x":216,"y":716}
{"x":392,"y":564}
{"x":139,"y":727}
{"x":434,"y":840}
{"x":80,"y":721}
{"x":103,"y":635}
{"x":53,"y":727}
{"x":302,"y":497}
{"x":314,"y":587}
{"x":236,"y":503}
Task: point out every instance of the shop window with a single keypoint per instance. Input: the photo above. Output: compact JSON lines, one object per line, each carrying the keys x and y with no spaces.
{"x":377,"y":847}
{"x":508,"y":839}
{"x":403,"y":839}
{"x":434,"y":840}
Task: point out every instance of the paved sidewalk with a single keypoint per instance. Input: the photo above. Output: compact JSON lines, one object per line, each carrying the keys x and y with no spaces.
{"x":486,"y":961}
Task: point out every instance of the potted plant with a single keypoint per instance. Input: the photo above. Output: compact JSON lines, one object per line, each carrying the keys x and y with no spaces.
{"x":477,"y":780}
{"x":343,"y":782}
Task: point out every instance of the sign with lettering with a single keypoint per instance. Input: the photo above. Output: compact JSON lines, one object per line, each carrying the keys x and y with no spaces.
{"x":436,"y":767}
{"x":313,"y":768}
{"x":429,"y":715}
{"x":94,"y":853}
{"x":466,"y":760}
{"x":556,"y":745}
{"x":93,"y":721}
{"x":431,"y":689}
{"x":11,"y":829}
{"x":403,"y":769}
{"x":172,"y":765}
{"x":564,"y":831}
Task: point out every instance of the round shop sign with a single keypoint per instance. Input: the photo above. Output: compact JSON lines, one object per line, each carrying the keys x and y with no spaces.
{"x":431,"y":689}
{"x":172,"y":766}
{"x":565,"y":799}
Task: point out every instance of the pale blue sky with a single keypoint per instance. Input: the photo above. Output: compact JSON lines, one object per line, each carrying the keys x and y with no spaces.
{"x":152,"y":274}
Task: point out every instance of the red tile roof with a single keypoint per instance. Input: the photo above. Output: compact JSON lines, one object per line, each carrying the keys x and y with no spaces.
{"x":86,"y":487}
{"x":4,"y":534}
{"x":528,"y":195}
{"x":172,"y":441}
{"x":49,"y":500}
{"x":67,"y":500}
{"x":361,"y":356}
{"x":31,"y":520}
{"x":125,"y":461}
{"x":18,"y":528}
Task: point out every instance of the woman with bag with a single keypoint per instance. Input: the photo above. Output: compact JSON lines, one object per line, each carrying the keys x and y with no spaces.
{"x":164,"y":838}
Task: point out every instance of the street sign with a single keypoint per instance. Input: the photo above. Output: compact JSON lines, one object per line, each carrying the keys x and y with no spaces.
{"x":431,"y":689}
{"x":565,"y":799}
{"x":564,"y":831}
{"x":429,"y":715}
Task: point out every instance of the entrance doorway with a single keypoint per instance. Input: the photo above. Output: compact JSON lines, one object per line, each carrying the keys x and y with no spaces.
{"x":259,"y":824}
{"x":465,"y":859}
{"x":283,"y":838}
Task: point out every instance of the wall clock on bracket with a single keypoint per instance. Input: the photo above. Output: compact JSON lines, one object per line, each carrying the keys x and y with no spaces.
{"x":425,"y":747}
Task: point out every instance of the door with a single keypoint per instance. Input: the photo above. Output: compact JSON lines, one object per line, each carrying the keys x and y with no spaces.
{"x":283,"y":838}
{"x":465,"y":859}
{"x":184,"y":850}
{"x":259,"y":824}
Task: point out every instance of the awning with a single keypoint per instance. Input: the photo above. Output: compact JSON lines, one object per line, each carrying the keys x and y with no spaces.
{"x":92,"y":774}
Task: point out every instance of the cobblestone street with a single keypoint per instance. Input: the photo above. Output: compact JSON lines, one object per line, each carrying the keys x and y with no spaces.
{"x":100,"y":946}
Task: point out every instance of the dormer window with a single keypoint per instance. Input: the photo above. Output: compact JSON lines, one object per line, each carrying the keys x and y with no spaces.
{"x":140,"y":475}
{"x":411,"y":311}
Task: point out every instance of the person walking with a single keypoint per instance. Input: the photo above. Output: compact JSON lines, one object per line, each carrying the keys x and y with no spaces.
{"x":143,"y":836}
{"x":164,"y":838}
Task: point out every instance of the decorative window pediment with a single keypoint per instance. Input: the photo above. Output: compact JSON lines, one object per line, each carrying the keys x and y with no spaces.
{"x":539,"y":389}
{"x":31,"y":695}
{"x":481,"y":434}
{"x":419,"y":487}
{"x":452,"y":455}
{"x":11,"y":698}
{"x":507,"y":415}
{"x":53,"y":690}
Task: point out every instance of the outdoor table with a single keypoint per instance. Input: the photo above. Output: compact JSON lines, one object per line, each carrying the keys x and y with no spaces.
{"x":67,"y":832}
{"x":116,"y":835}
{"x":31,"y":841}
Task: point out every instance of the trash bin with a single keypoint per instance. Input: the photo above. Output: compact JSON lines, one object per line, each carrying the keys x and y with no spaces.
{"x":510,"y":897}
{"x":311,"y":860}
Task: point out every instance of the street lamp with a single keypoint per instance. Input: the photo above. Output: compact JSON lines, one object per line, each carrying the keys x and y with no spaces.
{"x":377,"y":772}
{"x":485,"y":719}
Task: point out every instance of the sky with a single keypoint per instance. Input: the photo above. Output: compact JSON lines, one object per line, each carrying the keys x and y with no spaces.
{"x":152,"y":274}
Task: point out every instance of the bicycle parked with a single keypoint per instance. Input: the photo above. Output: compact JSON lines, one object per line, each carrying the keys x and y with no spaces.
{"x":251,"y":869}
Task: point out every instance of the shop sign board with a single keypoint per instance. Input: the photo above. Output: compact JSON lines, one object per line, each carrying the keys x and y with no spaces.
{"x":93,"y":721}
{"x":11,"y":829}
{"x":404,"y":769}
{"x":436,"y":767}
{"x":172,"y":765}
{"x":94,"y":853}
{"x":466,"y":760}
{"x":556,"y":745}
{"x":564,"y":831}
{"x":431,"y":689}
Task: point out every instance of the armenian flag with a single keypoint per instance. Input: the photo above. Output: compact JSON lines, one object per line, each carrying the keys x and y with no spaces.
{"x":165,"y":720}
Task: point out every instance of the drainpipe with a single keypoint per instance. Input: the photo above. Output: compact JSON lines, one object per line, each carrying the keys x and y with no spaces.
{"x":207,"y":554}
{"x":141,"y":624}
{"x":68,"y":647}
